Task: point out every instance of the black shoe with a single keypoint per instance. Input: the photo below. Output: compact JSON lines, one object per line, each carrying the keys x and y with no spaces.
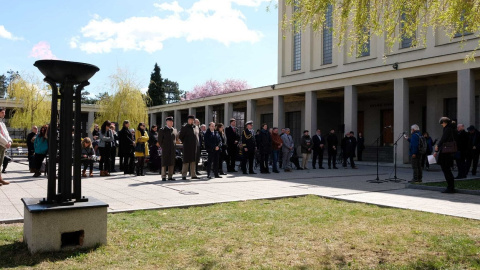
{"x":209,"y":177}
{"x":448,"y":190}
{"x":171,"y":179}
{"x":413,"y":181}
{"x":244,"y":172}
{"x":252,"y":172}
{"x":218,"y":176}
{"x":196,"y":177}
{"x":276,"y":171}
{"x":184,"y":178}
{"x":323,"y":168}
{"x":222,"y":173}
{"x":164,"y":179}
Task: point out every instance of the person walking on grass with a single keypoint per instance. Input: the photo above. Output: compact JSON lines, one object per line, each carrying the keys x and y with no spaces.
{"x":189,"y":140}
{"x":41,"y":149}
{"x":167,"y":139}
{"x":88,"y":156}
{"x":141,"y":148}
{"x":306,"y":148}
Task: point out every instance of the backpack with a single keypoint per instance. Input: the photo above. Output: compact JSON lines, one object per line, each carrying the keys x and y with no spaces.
{"x":422,"y":145}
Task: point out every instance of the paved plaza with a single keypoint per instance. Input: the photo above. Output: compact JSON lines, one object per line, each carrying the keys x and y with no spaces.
{"x":129,"y":193}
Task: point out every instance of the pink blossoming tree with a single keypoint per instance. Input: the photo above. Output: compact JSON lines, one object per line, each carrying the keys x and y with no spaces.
{"x":213,"y":88}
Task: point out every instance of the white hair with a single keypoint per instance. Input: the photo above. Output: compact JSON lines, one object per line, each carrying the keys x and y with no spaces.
{"x":415,"y":127}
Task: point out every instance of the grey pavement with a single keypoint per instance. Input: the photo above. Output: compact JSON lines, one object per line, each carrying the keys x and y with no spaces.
{"x":130,"y":193}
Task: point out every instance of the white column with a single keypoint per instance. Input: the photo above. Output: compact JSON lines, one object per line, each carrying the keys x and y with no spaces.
{"x":177,"y":119}
{"x":228,"y":113}
{"x":252,"y":111}
{"x":153,"y":119}
{"x":192,"y":111}
{"x":350,"y":109}
{"x":401,"y":117}
{"x":311,"y":111}
{"x":208,"y":114}
{"x":466,"y":97}
{"x":278,"y":112}
{"x":164,"y":116}
{"x":91,"y":120}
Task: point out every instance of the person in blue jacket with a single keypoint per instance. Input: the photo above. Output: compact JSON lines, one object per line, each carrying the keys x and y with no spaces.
{"x":415,"y":155}
{"x":41,"y":149}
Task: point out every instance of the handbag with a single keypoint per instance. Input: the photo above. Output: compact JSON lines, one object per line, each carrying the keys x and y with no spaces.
{"x":140,"y":147}
{"x":449,"y":148}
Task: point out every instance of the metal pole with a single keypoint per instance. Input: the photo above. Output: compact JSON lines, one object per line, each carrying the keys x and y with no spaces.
{"x":77,"y":178}
{"x":52,"y":144}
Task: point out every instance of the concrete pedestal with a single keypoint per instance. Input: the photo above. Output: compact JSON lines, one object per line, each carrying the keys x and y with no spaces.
{"x":53,"y":227}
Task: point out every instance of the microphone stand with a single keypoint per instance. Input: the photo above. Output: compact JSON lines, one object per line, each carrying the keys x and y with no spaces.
{"x":377,"y":180}
{"x":395,"y":178}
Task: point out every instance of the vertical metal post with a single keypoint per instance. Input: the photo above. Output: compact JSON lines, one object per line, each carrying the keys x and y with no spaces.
{"x":52,"y":144}
{"x":77,"y":178}
{"x":66,"y":122}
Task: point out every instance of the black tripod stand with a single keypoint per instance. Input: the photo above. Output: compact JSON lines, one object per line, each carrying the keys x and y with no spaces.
{"x":395,"y":178}
{"x":377,"y":180}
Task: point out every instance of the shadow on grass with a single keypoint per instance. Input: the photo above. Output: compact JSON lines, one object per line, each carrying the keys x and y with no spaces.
{"x":16,"y":254}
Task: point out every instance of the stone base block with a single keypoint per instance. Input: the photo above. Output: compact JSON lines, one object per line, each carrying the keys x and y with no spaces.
{"x":50,"y":227}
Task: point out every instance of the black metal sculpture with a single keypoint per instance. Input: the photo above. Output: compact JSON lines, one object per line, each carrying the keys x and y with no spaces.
{"x":67,"y":80}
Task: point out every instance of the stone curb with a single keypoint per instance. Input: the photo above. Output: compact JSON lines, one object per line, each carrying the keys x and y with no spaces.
{"x":432,"y":188}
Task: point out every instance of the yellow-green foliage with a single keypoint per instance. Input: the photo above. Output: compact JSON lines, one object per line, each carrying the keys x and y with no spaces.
{"x":33,"y":102}
{"x":355,"y":20}
{"x":127,"y":102}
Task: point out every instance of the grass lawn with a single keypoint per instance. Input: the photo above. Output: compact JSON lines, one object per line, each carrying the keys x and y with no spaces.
{"x":299,"y":233}
{"x":472,"y":184}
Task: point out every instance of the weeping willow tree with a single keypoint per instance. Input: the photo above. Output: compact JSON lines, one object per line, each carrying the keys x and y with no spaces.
{"x":126,"y":103}
{"x":33,"y":102}
{"x":356,"y":20}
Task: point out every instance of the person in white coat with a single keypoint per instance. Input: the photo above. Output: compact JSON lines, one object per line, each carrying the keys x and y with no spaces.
{"x":5,"y":142}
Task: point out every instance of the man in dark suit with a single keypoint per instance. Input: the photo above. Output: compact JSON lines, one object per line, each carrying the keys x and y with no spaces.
{"x":248,"y":148}
{"x":232,"y":142}
{"x":332,"y":143}
{"x":318,"y":147}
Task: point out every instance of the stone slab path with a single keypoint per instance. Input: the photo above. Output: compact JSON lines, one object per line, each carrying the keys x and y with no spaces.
{"x":130,"y":193}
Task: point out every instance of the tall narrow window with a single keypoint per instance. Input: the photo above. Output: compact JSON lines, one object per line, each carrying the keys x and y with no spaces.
{"x":297,"y":44}
{"x":406,"y":41}
{"x":327,"y":38}
{"x":365,"y":47}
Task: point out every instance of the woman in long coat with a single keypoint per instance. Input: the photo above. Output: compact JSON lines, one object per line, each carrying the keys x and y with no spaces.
{"x":141,"y":147}
{"x":445,"y":160}
{"x":167,"y":138}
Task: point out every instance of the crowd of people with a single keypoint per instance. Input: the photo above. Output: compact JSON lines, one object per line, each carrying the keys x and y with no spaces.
{"x":265,"y":148}
{"x":456,"y":146}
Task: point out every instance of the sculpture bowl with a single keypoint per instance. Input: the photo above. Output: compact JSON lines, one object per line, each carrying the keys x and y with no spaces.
{"x":59,"y":70}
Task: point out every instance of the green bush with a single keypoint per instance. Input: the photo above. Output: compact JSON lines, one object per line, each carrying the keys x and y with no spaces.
{"x":16,"y":144}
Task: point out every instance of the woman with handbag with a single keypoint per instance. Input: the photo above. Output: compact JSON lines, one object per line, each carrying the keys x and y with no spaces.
{"x":141,"y":147}
{"x":445,"y":150}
